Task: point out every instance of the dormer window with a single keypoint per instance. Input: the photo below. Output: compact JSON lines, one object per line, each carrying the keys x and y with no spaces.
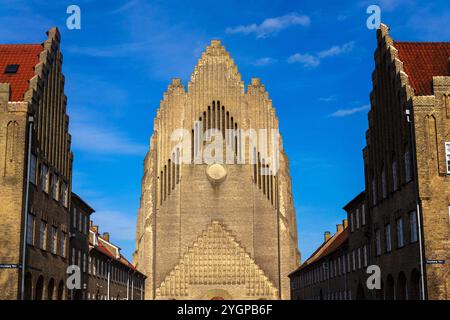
{"x":11,"y":69}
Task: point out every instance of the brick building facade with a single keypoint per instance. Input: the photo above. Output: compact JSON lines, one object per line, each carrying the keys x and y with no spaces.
{"x":33,"y":105}
{"x":402,"y":220}
{"x":111,"y":275}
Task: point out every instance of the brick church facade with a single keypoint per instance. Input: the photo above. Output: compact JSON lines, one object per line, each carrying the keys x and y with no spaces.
{"x":218,"y":229}
{"x":403,"y":217}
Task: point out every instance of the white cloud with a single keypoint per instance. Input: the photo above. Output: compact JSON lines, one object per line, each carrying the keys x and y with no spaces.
{"x":336,"y":50}
{"x":347,"y":112}
{"x":121,"y":227}
{"x":307,"y":60}
{"x":313,"y":60}
{"x":271,"y":26}
{"x":93,"y":139}
{"x":264,"y":61}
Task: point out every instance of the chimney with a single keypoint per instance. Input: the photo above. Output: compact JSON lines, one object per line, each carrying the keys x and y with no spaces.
{"x":105,"y":236}
{"x":339,"y":228}
{"x":327,"y":236}
{"x":345,"y":223}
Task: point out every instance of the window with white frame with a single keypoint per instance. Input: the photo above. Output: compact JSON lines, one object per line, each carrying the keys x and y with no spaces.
{"x":352,"y":218}
{"x":354,"y":260}
{"x":363,"y":214}
{"x":43,"y":235}
{"x":30,"y":229}
{"x":65,"y":194}
{"x":357,"y":219}
{"x":383,"y":183}
{"x":55,"y":187}
{"x":359,"y":258}
{"x":62,"y":245}
{"x":45,"y":178}
{"x":33,"y":164}
{"x":408,"y":175}
{"x":447,"y":155}
{"x":378,"y":242}
{"x":388,"y":238}
{"x":374,"y":191}
{"x":53,"y":233}
{"x":394,"y":176}
{"x":400,"y":234}
{"x":365,"y":255}
{"x":413,"y":226}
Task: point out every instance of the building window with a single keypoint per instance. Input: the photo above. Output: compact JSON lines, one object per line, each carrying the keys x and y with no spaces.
{"x":374,"y":192}
{"x":45,"y":180}
{"x":400,"y":239}
{"x":447,"y":155}
{"x":354,"y":260}
{"x":74,"y":221}
{"x":33,"y":169}
{"x":357,"y":219}
{"x":84,"y":262}
{"x":383,"y":183}
{"x":55,"y":187}
{"x":80,"y":222}
{"x":363,"y":214}
{"x":79,"y":259}
{"x":352,"y":218}
{"x":408,"y":175}
{"x":359,"y":258}
{"x":53,"y":234}
{"x":30,"y":229}
{"x":378,"y":242}
{"x":65,"y":194}
{"x":365,"y":255}
{"x":413,"y":225}
{"x":62,"y":245}
{"x":73,"y":256}
{"x":86,"y":224}
{"x":387,"y":230}
{"x":394,"y":176}
{"x":43,"y":235}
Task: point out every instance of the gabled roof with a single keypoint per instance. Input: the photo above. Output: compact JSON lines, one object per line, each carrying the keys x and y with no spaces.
{"x":422,"y":61}
{"x":327,"y":248}
{"x":27,"y":57}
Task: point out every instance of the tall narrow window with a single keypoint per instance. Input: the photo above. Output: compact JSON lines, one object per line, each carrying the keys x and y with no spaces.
{"x":363,"y":214}
{"x":65,"y":194}
{"x":357,"y":219}
{"x":169,"y":177}
{"x":447,"y":155}
{"x":55,"y":187}
{"x":383,"y":183}
{"x":30,"y":229}
{"x":378,"y":242}
{"x":388,"y":238}
{"x":352,"y":221}
{"x":400,"y":235}
{"x":394,"y":176}
{"x":374,"y":192}
{"x":43,"y":235}
{"x":413,"y":226}
{"x":33,"y":169}
{"x":408,"y":175}
{"x":45,"y":180}
{"x":365,"y":255}
{"x":54,"y":232}
{"x":62,"y":245}
{"x":359,"y":258}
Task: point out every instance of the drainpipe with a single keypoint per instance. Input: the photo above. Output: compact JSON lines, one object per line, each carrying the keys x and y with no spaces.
{"x":27,"y":194}
{"x":419,"y":219}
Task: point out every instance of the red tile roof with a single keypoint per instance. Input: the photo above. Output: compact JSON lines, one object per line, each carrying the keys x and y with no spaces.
{"x":334,"y":243}
{"x":422,"y":61}
{"x":26,"y":56}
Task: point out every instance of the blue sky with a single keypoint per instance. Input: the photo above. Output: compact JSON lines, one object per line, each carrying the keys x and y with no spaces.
{"x":314,"y":57}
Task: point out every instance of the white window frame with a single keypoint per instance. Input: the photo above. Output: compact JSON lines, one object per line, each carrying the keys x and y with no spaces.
{"x":388,"y":237}
{"x":413,"y":226}
{"x":447,"y":156}
{"x":43,"y":235}
{"x":400,"y":233}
